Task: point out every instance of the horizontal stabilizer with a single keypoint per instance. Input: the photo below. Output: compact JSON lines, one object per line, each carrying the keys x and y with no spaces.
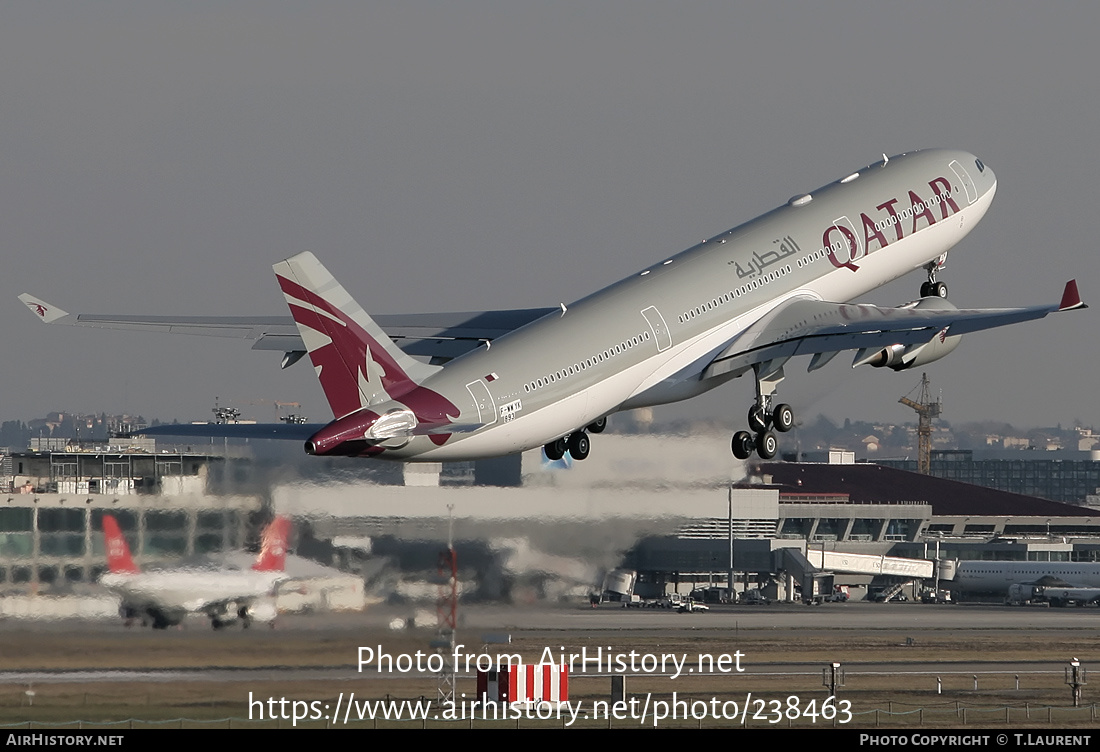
{"x":278,"y":431}
{"x":439,"y":337}
{"x":436,"y":429}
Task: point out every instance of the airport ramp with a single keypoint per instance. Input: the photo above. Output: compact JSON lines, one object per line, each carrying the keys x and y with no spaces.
{"x":894,"y":566}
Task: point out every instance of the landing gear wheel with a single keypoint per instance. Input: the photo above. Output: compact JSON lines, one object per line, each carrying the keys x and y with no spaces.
{"x":555,"y":450}
{"x":783,"y":418}
{"x":926,"y":290}
{"x":742,"y":445}
{"x":579,"y":445}
{"x":766,"y":445}
{"x":939,"y":289}
{"x":598,"y":426}
{"x":757,"y":419}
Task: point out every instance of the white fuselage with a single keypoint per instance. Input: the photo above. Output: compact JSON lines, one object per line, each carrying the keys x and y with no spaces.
{"x":998,"y":576}
{"x":187,"y":590}
{"x":648,"y":339}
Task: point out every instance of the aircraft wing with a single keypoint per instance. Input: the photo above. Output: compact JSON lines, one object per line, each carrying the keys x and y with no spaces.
{"x":439,"y":336}
{"x":803,"y":326}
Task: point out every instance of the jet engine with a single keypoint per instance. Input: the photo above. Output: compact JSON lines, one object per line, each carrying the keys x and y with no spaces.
{"x":902,"y":357}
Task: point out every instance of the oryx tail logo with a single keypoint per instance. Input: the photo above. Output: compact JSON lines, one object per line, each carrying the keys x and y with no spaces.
{"x":354,"y":369}
{"x":357,"y":364}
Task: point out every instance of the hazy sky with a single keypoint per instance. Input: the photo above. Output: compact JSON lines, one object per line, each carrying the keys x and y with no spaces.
{"x":159,"y":157}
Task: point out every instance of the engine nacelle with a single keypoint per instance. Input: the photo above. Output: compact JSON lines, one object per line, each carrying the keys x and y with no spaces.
{"x":936,"y":348}
{"x":363,"y":431}
{"x":902,"y":357}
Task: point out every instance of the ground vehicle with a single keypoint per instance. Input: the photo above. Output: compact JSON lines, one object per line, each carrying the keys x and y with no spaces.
{"x":932,"y":595}
{"x":753,"y":598}
{"x":692,"y":606}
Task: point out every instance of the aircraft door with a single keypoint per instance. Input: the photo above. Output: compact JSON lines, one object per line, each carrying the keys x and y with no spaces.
{"x":964,"y":178}
{"x":486,"y":407}
{"x":842,"y":235}
{"x":657,"y":325}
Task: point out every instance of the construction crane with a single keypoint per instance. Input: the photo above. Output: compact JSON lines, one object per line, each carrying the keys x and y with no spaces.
{"x":926,"y":410}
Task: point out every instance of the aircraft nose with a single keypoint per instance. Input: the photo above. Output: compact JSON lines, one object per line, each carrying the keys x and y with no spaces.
{"x":987,"y":174}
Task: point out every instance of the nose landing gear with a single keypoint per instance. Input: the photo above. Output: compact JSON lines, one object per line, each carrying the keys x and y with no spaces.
{"x":932,"y":288}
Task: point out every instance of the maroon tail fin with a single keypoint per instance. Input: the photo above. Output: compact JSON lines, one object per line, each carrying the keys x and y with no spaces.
{"x":358,"y":365}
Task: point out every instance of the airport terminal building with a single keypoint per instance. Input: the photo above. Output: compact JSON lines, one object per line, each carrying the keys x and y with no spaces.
{"x":174,"y":508}
{"x":524,"y":528}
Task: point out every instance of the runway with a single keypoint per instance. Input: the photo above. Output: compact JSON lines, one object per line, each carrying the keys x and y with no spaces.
{"x":892,"y":658}
{"x":862,"y":615}
{"x":787,"y":638}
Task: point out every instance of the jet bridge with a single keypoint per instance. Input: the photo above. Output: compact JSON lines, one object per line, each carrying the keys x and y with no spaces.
{"x":814,"y":570}
{"x":872,"y":564}
{"x":815,"y":583}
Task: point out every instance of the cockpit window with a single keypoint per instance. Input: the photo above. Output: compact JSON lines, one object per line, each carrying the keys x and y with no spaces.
{"x":981,"y":167}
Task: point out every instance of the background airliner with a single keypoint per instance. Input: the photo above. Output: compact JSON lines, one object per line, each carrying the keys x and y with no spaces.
{"x":746,"y":300}
{"x":224,"y":595}
{"x":998,"y":576}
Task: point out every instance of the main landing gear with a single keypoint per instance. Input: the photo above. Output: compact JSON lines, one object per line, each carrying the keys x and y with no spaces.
{"x":577,"y":443}
{"x":763,"y":417}
{"x":932,"y":288}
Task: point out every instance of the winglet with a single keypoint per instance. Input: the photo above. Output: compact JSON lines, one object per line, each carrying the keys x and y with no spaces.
{"x":45,"y":311}
{"x":272,"y":556}
{"x":1071,"y":299}
{"x":119,"y":560}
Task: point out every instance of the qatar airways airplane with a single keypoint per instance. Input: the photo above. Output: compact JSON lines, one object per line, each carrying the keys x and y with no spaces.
{"x":747,"y":300}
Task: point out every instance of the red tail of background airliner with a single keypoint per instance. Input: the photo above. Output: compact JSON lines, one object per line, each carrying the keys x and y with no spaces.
{"x":272,"y":556}
{"x":119,"y":560}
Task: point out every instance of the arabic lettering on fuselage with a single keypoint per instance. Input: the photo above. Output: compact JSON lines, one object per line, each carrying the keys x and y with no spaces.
{"x":842,"y":247}
{"x":784,"y":247}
